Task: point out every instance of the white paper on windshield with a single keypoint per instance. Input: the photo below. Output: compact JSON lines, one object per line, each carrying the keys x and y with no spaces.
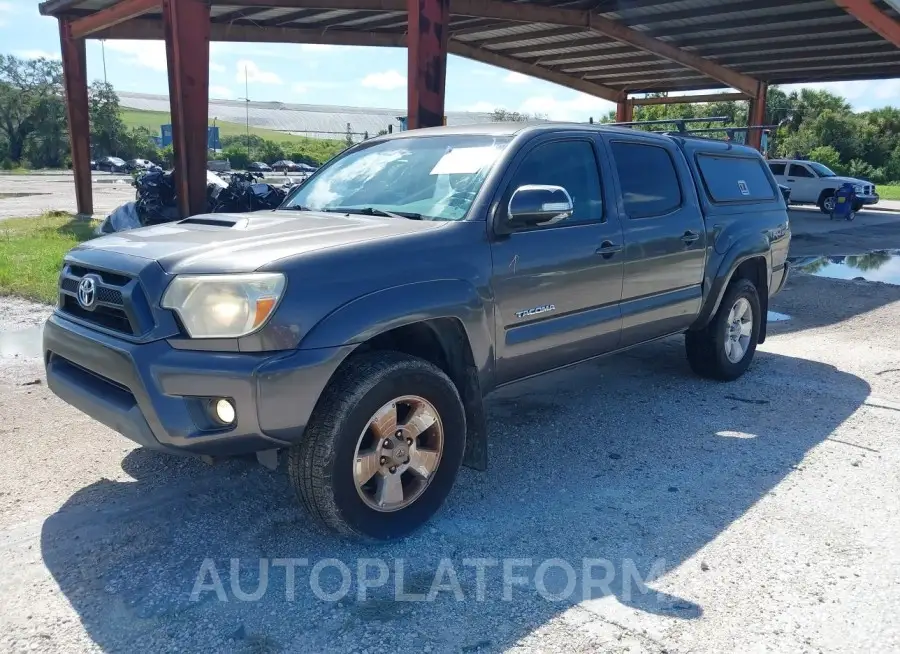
{"x":460,"y":161}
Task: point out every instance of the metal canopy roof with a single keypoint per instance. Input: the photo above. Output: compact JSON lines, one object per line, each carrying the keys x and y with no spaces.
{"x":579,"y":44}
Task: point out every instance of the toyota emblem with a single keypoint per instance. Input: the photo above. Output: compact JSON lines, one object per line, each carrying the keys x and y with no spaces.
{"x":87,"y":292}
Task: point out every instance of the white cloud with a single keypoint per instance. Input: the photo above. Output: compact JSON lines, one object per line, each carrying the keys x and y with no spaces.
{"x":255,"y":74}
{"x":516,"y":78}
{"x":300,"y":88}
{"x":220,"y":92}
{"x":386,"y":81}
{"x":215,"y":67}
{"x":577,"y":107}
{"x":149,"y":54}
{"x":37,"y":54}
{"x":5,"y":8}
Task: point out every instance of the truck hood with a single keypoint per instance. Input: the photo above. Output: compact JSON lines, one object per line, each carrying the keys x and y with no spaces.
{"x":849,"y":180}
{"x":221,"y":242}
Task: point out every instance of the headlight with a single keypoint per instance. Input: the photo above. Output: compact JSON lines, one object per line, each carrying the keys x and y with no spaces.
{"x":224,"y":306}
{"x":858,"y":188}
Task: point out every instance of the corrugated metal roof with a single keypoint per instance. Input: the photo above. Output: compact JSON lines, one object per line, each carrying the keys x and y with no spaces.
{"x":319,"y":121}
{"x":777,"y":41}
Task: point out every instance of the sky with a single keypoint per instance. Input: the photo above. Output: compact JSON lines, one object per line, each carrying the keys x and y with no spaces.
{"x":338,"y":75}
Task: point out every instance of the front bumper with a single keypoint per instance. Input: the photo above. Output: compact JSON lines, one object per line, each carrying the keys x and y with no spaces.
{"x":157,"y":395}
{"x":869,"y":199}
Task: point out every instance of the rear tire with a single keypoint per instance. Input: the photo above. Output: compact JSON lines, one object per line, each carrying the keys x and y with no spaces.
{"x":325,"y":467}
{"x":826,"y":201}
{"x":712,"y":352}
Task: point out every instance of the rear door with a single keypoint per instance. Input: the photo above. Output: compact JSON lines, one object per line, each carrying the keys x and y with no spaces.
{"x":803,"y":182}
{"x":665,"y":238}
{"x":557,"y":287}
{"x":779,"y":170}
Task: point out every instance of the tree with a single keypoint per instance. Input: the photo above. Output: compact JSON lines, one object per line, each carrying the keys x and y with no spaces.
{"x":108,"y":134}
{"x":826,"y":155}
{"x":270,"y":152}
{"x":237,"y":156}
{"x":349,"y":138}
{"x":501,"y":115}
{"x":31,"y":102}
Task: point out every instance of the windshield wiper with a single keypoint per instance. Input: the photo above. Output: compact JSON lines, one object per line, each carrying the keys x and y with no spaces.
{"x":294,"y":207}
{"x":372,"y":211}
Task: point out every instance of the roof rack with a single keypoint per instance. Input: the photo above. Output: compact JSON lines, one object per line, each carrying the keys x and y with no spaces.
{"x":680,"y":123}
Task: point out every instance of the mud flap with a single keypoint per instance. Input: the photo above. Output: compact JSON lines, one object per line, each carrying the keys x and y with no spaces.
{"x":475,"y":455}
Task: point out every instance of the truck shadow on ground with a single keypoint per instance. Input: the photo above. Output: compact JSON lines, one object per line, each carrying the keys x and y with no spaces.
{"x":629,"y":460}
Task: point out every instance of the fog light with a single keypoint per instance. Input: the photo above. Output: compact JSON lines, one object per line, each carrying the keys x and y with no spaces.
{"x":224,"y":411}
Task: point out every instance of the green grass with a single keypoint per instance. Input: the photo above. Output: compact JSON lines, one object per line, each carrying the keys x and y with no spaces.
{"x":153,"y":119}
{"x":889,"y":192}
{"x":31,"y":253}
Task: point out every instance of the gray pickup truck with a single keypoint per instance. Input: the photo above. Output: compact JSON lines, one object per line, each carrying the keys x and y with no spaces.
{"x":359,"y":326}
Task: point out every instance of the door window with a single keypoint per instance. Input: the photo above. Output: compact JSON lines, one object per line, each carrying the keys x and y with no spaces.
{"x":800,"y":171}
{"x":777,"y":169}
{"x":571,"y":165}
{"x":648,"y":179}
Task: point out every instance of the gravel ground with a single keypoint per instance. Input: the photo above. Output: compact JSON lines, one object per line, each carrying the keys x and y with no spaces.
{"x":40,"y":193}
{"x":762,"y":515}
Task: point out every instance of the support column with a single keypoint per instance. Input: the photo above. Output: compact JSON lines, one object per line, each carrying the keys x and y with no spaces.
{"x":757,"y":116}
{"x":427,"y":51}
{"x":77,"y":109}
{"x":625,"y":111}
{"x":187,"y":30}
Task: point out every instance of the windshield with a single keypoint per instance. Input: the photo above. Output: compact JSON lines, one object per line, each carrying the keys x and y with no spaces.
{"x":432,"y":177}
{"x":822,"y":170}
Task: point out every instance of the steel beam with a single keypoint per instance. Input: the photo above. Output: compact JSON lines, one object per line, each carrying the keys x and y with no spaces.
{"x":429,"y":22}
{"x":624,"y":111}
{"x":757,"y":116}
{"x":685,"y":99}
{"x":872,"y":17}
{"x":490,"y":57}
{"x":77,"y":107}
{"x":187,"y":30}
{"x":113,"y":15}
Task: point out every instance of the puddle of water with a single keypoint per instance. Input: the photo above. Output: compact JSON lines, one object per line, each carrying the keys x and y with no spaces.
{"x":774,"y":316}
{"x":22,"y":343}
{"x":878,"y":266}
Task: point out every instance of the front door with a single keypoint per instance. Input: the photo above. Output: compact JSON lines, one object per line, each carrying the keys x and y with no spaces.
{"x":803,"y":183}
{"x":665,"y":239}
{"x":557,"y":287}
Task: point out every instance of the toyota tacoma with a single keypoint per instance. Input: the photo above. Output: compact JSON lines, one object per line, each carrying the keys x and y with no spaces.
{"x":359,"y":326}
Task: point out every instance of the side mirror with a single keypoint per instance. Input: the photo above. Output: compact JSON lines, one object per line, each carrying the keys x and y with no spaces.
{"x":538,"y":204}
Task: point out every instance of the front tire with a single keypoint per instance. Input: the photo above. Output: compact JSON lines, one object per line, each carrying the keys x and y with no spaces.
{"x":826,"y":202}
{"x":382,"y":448}
{"x":724,"y":349}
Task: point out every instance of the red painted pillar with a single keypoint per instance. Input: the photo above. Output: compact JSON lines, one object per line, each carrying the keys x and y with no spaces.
{"x":624,"y":111}
{"x":427,"y":49}
{"x":187,"y":29}
{"x":757,"y":116}
{"x":75,"y":80}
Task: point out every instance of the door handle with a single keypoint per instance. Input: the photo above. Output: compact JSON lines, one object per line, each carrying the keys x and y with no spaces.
{"x":792,"y":180}
{"x":690,"y":237}
{"x":608,"y":248}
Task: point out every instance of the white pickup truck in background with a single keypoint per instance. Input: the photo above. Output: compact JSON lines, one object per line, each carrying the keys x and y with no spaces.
{"x":814,"y":183}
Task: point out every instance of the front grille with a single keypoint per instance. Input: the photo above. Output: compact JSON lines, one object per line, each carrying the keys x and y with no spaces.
{"x":110,"y":310}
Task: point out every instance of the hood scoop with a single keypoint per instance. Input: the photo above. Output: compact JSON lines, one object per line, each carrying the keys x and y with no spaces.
{"x":209,"y":222}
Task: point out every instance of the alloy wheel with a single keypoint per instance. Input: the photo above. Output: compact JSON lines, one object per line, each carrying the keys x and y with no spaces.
{"x":398,"y":453}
